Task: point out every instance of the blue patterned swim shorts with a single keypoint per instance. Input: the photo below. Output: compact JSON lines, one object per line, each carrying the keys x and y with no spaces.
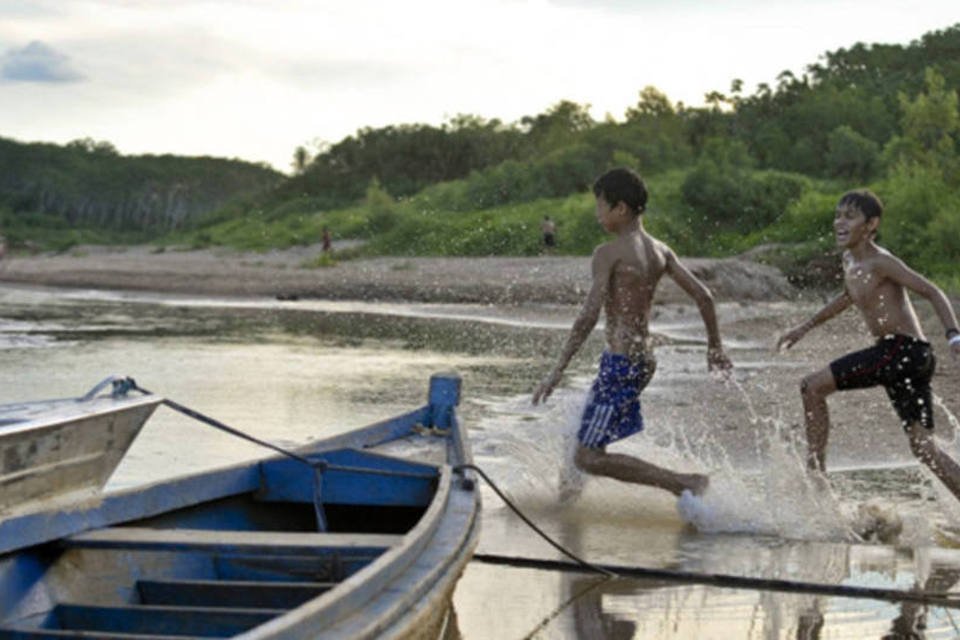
{"x":613,"y":406}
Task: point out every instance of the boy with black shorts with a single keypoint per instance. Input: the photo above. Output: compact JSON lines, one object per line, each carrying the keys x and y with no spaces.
{"x":901,"y":361}
{"x":626,"y":272}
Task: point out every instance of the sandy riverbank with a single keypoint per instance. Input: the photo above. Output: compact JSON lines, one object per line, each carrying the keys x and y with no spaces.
{"x":503,"y":280}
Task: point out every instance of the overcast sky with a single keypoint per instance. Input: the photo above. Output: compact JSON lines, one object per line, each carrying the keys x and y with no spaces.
{"x":253,"y":79}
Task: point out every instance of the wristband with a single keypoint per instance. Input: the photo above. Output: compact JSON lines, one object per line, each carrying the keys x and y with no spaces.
{"x":951,"y":332}
{"x":954,"y":341}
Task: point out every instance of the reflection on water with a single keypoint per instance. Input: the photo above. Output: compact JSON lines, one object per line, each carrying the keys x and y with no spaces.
{"x":289,"y":372}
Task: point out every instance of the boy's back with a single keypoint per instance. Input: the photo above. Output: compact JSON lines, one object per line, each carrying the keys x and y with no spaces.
{"x":625,"y":275}
{"x":637,"y":262}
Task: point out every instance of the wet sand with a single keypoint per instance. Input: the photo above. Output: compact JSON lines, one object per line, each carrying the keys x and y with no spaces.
{"x":756,"y":302}
{"x":756,"y":305}
{"x":491,"y":280}
{"x":865,"y":432}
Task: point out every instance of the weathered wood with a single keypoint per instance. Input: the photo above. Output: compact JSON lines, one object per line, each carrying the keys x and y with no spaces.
{"x":353,"y":477}
{"x":231,"y":542}
{"x":332,"y":568}
{"x":57,"y":519}
{"x":67,"y":634}
{"x":51,"y":448}
{"x":216,"y":577}
{"x":193,"y":621}
{"x":229,"y":593}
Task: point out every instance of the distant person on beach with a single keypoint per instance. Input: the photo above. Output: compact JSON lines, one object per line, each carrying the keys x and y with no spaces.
{"x":901,"y":360}
{"x":3,"y":247}
{"x":326,"y":240}
{"x":549,"y":230}
{"x":626,"y":271}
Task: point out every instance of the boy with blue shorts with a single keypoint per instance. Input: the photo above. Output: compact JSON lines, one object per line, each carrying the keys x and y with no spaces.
{"x":625,"y":274}
{"x":901,"y":360}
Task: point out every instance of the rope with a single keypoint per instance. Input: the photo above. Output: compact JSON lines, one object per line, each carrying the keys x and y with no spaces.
{"x":690,"y":577}
{"x":196,"y":415}
{"x":579,"y":564}
{"x":731,"y":581}
{"x":320,"y":465}
{"x":550,"y":617}
{"x":556,"y":545}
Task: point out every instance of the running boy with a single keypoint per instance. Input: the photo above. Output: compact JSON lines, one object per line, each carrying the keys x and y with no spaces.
{"x":902,"y":361}
{"x":626,"y":272}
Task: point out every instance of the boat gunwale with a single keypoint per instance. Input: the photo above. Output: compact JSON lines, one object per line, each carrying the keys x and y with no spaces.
{"x":20,"y":530}
{"x":454,"y":507}
{"x":336,"y":604}
{"x":72,"y":408}
{"x":406,"y":610}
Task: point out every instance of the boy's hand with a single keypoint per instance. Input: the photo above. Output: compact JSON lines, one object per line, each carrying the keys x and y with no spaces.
{"x":955,"y":349}
{"x":791,"y":338}
{"x":717,"y":360}
{"x":545,"y":388}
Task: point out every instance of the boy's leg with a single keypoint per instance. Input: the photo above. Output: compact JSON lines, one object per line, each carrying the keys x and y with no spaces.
{"x":925,"y":448}
{"x":815,"y":388}
{"x":629,"y":469}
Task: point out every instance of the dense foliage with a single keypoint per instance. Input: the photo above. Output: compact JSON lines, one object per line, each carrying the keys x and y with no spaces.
{"x":88,"y":185}
{"x":742,"y":173}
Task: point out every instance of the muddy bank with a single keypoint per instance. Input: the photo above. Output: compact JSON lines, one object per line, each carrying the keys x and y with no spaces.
{"x":548,"y":279}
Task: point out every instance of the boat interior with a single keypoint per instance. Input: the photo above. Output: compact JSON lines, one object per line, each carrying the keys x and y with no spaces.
{"x":219,"y":565}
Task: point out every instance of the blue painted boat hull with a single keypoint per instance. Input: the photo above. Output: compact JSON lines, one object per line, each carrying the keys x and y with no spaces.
{"x":250,"y":551}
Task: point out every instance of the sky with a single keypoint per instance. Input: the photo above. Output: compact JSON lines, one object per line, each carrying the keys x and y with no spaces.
{"x":254,"y":79}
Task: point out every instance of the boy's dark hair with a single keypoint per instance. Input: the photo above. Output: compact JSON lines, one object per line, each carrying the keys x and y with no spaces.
{"x":865,"y":200}
{"x":622,"y":185}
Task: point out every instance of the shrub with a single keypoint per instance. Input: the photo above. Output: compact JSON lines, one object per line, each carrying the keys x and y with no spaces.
{"x":381,"y":208}
{"x":918,"y":205}
{"x":736,"y":199}
{"x":850,"y":154}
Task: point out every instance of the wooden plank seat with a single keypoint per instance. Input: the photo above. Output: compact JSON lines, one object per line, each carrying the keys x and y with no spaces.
{"x":67,"y":634}
{"x":290,"y":568}
{"x":229,"y":593}
{"x":153,"y":621}
{"x":234,"y":542}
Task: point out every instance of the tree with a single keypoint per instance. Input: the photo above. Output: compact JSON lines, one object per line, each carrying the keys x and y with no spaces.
{"x":89,"y":145}
{"x":301,"y":158}
{"x":556,"y":127}
{"x":850,"y":154}
{"x":653,"y":103}
{"x":931,"y":118}
{"x":930,"y":122}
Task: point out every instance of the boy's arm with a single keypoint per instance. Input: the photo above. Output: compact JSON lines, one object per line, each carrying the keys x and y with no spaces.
{"x":832,"y":308}
{"x":716,"y":358}
{"x":895,"y":269}
{"x":583,"y":325}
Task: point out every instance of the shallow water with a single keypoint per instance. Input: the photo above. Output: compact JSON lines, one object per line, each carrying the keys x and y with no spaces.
{"x":291,"y":371}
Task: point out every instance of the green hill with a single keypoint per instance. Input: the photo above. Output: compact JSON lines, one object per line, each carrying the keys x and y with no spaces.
{"x":741,"y":171}
{"x":87,"y":188}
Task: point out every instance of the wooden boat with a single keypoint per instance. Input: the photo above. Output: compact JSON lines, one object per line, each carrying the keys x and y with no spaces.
{"x":66,"y":447}
{"x":362,"y":535}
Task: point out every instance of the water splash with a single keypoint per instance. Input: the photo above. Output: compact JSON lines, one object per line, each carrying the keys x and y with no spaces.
{"x":948,"y":504}
{"x":761,"y":487}
{"x":533,"y":452}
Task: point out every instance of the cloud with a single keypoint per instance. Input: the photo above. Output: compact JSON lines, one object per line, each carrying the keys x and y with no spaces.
{"x":37,"y":62}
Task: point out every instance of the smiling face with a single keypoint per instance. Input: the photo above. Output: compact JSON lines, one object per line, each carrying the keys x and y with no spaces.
{"x":852,"y":227}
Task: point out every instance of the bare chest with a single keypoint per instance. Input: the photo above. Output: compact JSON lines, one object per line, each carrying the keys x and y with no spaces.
{"x":875,"y":295}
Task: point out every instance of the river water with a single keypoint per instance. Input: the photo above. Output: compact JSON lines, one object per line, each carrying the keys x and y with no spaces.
{"x":292,"y":371}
